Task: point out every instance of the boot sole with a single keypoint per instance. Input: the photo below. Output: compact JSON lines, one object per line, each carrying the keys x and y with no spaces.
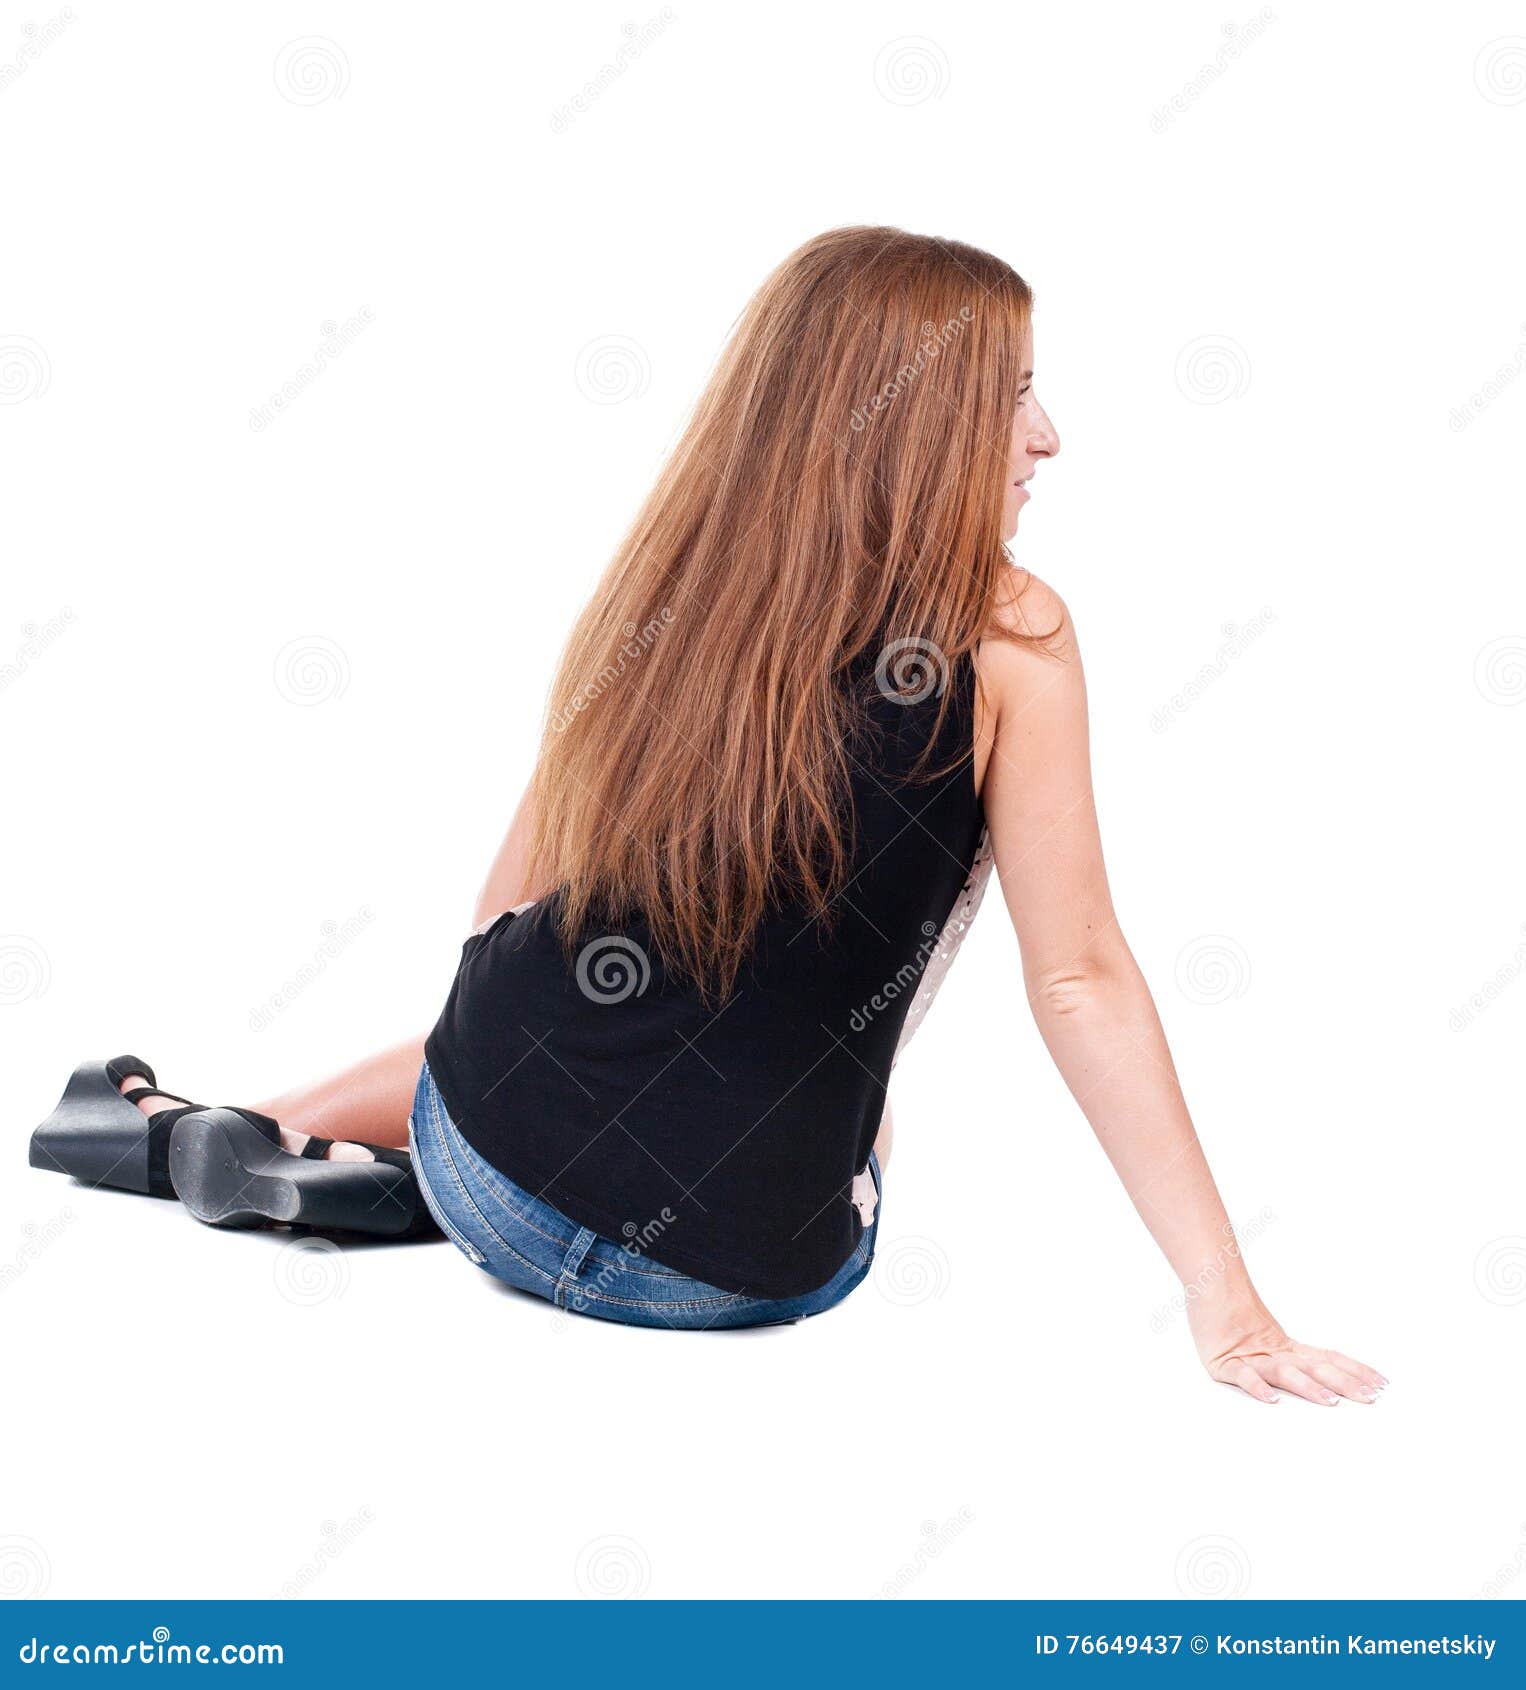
{"x":227,"y":1173}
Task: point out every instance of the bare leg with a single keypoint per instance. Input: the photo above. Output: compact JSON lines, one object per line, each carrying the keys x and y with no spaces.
{"x":369,"y":1102}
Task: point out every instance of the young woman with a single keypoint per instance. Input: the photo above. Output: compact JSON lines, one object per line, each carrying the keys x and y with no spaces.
{"x":809,"y":702}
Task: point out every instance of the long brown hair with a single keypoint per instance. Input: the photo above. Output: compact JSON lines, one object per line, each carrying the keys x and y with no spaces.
{"x":841,"y":479}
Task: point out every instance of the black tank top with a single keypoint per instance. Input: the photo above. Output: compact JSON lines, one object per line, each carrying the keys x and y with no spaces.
{"x":724,"y":1141}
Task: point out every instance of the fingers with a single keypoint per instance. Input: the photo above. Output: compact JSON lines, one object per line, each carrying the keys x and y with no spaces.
{"x":1242,"y":1375}
{"x":1344,"y":1384}
{"x":1289,"y":1376}
{"x":1368,"y":1375}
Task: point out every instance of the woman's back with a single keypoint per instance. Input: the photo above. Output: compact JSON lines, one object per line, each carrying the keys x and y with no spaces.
{"x":732,"y":1132}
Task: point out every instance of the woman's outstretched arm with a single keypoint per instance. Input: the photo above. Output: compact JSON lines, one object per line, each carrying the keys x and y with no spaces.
{"x":1097,"y":1018}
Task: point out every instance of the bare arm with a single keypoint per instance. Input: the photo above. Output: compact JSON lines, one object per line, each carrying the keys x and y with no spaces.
{"x":508,"y":880}
{"x":1095,"y":1013}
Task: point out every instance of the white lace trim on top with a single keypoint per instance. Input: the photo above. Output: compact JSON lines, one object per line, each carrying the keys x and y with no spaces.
{"x":950,"y":937}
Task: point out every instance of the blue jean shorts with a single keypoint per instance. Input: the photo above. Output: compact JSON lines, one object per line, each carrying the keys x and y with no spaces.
{"x":527,"y":1244}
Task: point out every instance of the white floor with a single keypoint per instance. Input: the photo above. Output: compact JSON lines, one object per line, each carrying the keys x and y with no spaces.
{"x":1009,"y":1407}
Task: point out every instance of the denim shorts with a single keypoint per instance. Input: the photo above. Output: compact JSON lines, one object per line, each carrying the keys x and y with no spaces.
{"x":527,"y":1244}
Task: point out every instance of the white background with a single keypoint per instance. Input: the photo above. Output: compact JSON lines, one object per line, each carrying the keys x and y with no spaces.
{"x":260,"y":680}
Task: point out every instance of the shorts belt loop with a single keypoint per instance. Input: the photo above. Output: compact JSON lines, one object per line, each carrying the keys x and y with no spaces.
{"x":573,"y":1260}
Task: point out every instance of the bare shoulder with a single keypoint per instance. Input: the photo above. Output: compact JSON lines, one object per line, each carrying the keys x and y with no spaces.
{"x":1032,"y":693}
{"x":1030,"y":637}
